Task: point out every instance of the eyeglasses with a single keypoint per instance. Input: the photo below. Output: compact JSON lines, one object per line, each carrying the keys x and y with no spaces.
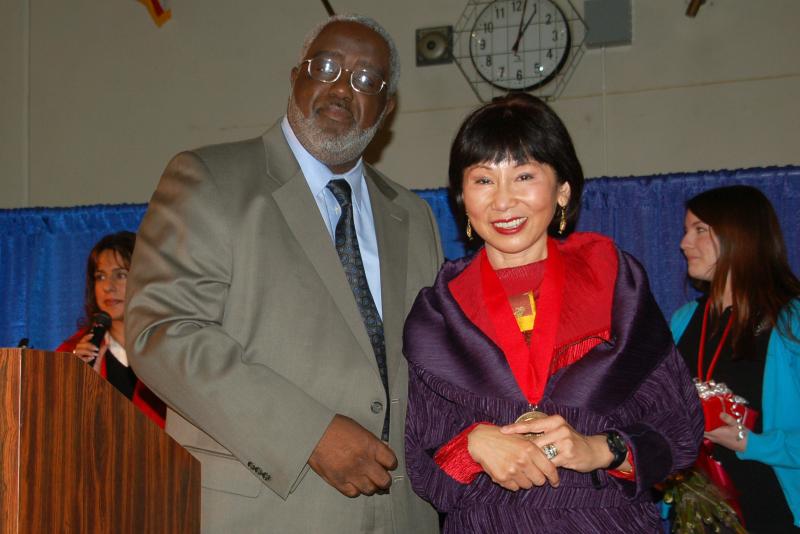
{"x":327,"y":70}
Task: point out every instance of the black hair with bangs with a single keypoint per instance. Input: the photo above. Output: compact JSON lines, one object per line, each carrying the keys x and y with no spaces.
{"x":517,"y":127}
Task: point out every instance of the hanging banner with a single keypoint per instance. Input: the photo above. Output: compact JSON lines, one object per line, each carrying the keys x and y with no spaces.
{"x":159,"y":10}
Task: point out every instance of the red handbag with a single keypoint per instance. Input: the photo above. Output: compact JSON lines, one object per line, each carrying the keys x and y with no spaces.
{"x":717,"y":399}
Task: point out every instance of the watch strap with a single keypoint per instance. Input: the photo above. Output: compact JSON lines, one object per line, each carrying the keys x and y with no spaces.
{"x":617,"y":447}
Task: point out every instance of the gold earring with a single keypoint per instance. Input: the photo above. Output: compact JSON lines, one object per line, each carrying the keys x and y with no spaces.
{"x":469,"y":230}
{"x":562,"y":223}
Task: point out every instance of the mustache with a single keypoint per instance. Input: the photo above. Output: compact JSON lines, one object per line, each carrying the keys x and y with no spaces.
{"x":335,"y":102}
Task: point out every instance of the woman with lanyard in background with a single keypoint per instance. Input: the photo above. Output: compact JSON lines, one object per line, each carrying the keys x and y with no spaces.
{"x":741,"y":338}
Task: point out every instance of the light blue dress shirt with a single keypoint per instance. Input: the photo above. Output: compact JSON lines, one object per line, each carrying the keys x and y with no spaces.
{"x":317,"y":176}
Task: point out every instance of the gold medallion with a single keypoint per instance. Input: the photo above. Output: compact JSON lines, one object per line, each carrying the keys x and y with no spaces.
{"x":531,"y":416}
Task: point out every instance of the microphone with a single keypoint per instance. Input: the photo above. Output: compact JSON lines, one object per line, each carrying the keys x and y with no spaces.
{"x":101,"y":322}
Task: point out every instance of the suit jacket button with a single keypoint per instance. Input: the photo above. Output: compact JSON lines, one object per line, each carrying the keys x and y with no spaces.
{"x":377,"y":407}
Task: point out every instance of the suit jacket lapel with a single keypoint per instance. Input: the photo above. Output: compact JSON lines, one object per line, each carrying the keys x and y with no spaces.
{"x":391,"y":230}
{"x":301,"y":213}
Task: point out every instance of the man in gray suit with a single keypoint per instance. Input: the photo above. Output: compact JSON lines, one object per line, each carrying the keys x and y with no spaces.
{"x":241,"y":316}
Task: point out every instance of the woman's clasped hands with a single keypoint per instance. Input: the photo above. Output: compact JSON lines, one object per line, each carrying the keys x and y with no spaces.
{"x":527,"y":454}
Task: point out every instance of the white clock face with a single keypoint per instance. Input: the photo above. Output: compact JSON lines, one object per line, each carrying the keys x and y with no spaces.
{"x":519,"y":44}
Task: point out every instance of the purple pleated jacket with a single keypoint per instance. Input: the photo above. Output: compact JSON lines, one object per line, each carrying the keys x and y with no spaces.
{"x":636,"y":384}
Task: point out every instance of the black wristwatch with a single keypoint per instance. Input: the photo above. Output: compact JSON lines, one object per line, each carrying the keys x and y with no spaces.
{"x":617,"y":447}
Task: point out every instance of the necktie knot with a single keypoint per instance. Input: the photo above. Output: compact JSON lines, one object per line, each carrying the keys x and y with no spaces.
{"x":341,"y":190}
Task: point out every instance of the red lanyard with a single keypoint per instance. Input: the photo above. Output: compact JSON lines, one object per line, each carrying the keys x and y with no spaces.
{"x":701,"y":351}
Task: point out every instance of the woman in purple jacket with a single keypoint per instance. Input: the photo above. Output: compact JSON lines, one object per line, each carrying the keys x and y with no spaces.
{"x":554,"y":330}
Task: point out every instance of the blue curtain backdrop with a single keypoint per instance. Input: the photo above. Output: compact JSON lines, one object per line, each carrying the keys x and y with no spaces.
{"x":43,"y":251}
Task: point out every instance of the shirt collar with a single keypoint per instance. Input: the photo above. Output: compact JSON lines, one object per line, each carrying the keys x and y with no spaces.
{"x":117,"y":351}
{"x":317,"y":174}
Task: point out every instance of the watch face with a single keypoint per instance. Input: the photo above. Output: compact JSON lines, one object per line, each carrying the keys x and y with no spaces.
{"x":519,"y":44}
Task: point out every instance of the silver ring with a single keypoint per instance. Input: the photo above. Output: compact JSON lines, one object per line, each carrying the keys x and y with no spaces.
{"x":550,"y":451}
{"x":740,"y":433}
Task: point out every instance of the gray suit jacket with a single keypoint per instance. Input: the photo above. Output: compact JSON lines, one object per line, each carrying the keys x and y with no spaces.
{"x":240,"y":317}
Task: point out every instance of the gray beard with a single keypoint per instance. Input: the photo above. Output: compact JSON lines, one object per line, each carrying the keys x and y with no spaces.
{"x":330,"y":149}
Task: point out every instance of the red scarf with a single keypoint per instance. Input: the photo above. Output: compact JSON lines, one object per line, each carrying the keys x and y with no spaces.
{"x":529,"y":363}
{"x":573,"y":308}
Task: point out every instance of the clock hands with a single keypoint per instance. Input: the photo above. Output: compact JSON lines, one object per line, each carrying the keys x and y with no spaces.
{"x":522,"y":29}
{"x":519,"y":30}
{"x":510,"y":51}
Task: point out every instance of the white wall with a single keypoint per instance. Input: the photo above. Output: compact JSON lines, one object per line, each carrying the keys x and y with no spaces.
{"x":13,"y":103}
{"x":94,"y":98}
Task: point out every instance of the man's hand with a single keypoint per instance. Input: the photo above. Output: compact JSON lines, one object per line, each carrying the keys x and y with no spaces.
{"x":352,"y":460}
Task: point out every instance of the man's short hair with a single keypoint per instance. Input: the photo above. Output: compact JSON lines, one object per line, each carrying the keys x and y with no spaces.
{"x":394,"y":55}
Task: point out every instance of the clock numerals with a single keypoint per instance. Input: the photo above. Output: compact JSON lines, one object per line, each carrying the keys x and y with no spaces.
{"x":519,"y":44}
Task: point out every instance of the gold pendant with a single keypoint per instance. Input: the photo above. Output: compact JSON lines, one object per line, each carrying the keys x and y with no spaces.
{"x":531,"y":416}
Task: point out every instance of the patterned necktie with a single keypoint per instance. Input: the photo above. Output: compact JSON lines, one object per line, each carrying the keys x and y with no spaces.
{"x":350,"y":256}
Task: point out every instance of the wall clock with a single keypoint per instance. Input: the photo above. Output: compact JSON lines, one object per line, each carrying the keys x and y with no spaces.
{"x":518,"y":45}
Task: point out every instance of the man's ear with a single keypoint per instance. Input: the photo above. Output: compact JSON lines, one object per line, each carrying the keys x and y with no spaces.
{"x":391,"y":102}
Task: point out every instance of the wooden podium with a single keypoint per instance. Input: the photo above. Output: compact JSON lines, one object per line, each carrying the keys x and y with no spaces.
{"x":77,"y":456}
